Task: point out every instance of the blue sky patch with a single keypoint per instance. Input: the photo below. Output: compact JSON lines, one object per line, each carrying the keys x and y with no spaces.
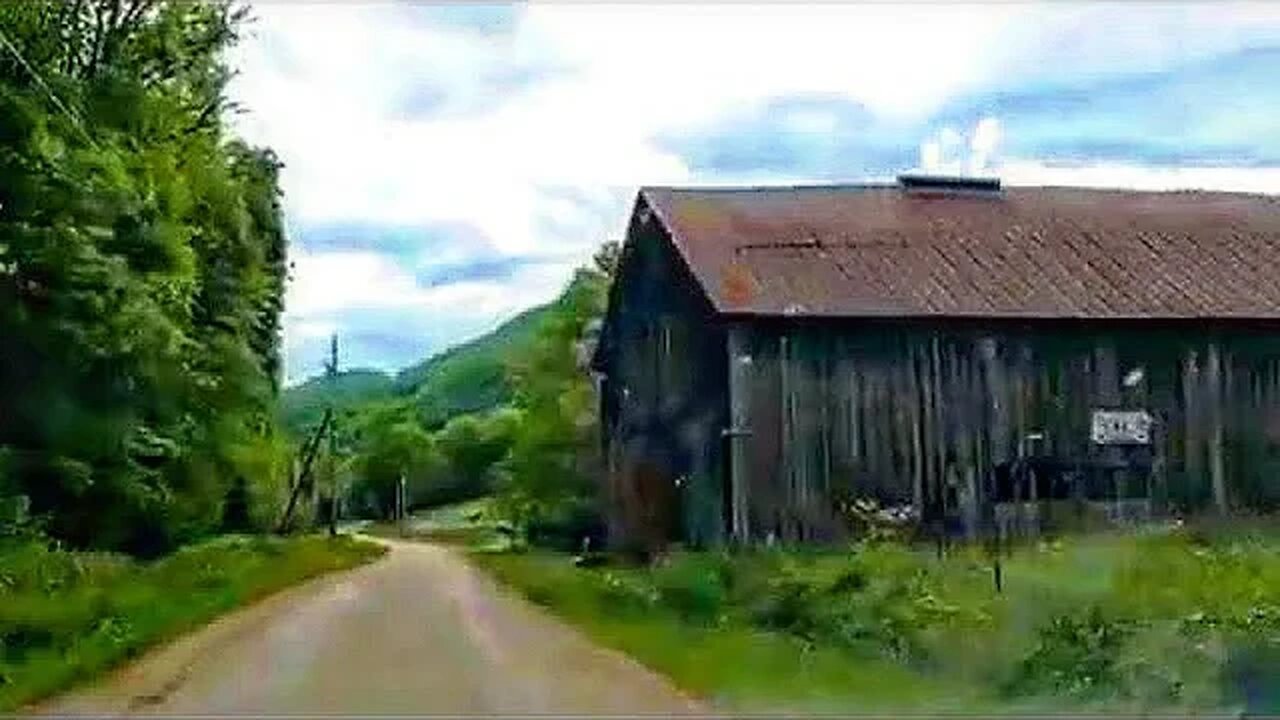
{"x":401,"y":241}
{"x":1219,"y":111}
{"x":484,"y":270}
{"x":483,"y":18}
{"x":815,"y":137}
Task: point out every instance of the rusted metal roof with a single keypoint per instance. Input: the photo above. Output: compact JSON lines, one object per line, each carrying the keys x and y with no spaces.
{"x":1023,"y":252}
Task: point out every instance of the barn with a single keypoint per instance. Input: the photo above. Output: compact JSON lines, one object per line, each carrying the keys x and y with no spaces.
{"x":951,"y":350}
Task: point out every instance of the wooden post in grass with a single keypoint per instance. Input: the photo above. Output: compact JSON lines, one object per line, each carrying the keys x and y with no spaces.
{"x":400,"y":504}
{"x":331,"y":372}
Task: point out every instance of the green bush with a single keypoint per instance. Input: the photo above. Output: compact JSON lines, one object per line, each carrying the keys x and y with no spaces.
{"x":693,"y":587}
{"x":1075,"y":655}
{"x":789,"y":605}
{"x":879,"y":600}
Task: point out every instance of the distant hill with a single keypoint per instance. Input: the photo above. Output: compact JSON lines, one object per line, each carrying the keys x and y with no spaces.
{"x":462,"y":379}
{"x":302,"y":405}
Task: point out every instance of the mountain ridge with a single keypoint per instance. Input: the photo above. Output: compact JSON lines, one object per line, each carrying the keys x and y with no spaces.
{"x":467,"y":377}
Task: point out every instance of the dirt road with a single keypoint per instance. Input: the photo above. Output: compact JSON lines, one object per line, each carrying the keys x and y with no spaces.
{"x":418,"y":632}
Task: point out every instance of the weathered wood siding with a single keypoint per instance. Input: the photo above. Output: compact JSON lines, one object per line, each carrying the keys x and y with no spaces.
{"x":931,"y":415}
{"x":664,"y":400}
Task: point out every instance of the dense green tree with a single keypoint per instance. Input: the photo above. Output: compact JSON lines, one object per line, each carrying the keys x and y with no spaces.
{"x":142,"y":265}
{"x":475,"y":444}
{"x":552,"y":470}
{"x":394,"y":445}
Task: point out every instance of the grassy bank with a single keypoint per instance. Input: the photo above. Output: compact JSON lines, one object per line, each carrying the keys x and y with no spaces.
{"x":65,"y":617}
{"x":1161,"y":622}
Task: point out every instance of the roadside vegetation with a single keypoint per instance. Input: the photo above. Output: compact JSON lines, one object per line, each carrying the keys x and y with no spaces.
{"x":1163,"y":622}
{"x":142,"y":271}
{"x":509,"y":416}
{"x":68,"y":616}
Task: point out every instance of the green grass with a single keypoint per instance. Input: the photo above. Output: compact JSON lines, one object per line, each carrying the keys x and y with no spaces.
{"x":1118,"y":623}
{"x":457,"y":515}
{"x":470,"y":523}
{"x":732,"y":665}
{"x":66,"y":617}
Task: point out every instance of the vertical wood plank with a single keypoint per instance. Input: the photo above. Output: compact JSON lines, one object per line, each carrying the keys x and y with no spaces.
{"x":937,"y":459}
{"x":960,"y":401}
{"x":1192,"y":448}
{"x":871,"y":422}
{"x":826,"y":429}
{"x":920,"y":420}
{"x":740,"y":363}
{"x":852,"y":372}
{"x":788,"y":435}
{"x":1213,"y":382}
{"x":997,"y":405}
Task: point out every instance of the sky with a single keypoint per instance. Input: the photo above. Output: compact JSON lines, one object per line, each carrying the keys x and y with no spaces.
{"x":448,"y":165}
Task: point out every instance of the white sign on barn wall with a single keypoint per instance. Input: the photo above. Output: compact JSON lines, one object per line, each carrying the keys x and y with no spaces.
{"x":1121,"y":427}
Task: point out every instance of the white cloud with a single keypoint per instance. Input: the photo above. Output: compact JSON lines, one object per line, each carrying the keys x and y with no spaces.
{"x":982,"y":144}
{"x":303,"y":330}
{"x":717,"y":56}
{"x":1114,"y":175}
{"x":817,"y":122}
{"x":326,"y":85}
{"x":930,"y":155}
{"x":944,"y":153}
{"x":326,"y":283}
{"x":1067,"y":42}
{"x":328,"y":286}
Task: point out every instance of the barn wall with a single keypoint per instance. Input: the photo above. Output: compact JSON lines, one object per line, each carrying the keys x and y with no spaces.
{"x":931,"y":416}
{"x":664,"y":399}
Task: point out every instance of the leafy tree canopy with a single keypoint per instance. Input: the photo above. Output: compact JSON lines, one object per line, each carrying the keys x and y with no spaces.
{"x":142,"y":266}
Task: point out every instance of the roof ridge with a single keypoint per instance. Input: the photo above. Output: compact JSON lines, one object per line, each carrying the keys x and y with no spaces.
{"x":766,"y":188}
{"x":888,"y":185}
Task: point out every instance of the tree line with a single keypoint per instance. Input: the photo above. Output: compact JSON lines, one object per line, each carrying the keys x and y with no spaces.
{"x":537,"y":454}
{"x":142,"y":268}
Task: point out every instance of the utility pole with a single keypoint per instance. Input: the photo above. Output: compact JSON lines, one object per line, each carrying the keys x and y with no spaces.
{"x":331,"y":372}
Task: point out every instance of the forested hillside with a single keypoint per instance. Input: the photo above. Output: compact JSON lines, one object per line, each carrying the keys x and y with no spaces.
{"x":302,"y":405}
{"x":142,"y":264}
{"x":471,"y":376}
{"x":467,"y":378}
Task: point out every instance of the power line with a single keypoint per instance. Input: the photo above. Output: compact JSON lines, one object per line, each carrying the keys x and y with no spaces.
{"x":75,"y":120}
